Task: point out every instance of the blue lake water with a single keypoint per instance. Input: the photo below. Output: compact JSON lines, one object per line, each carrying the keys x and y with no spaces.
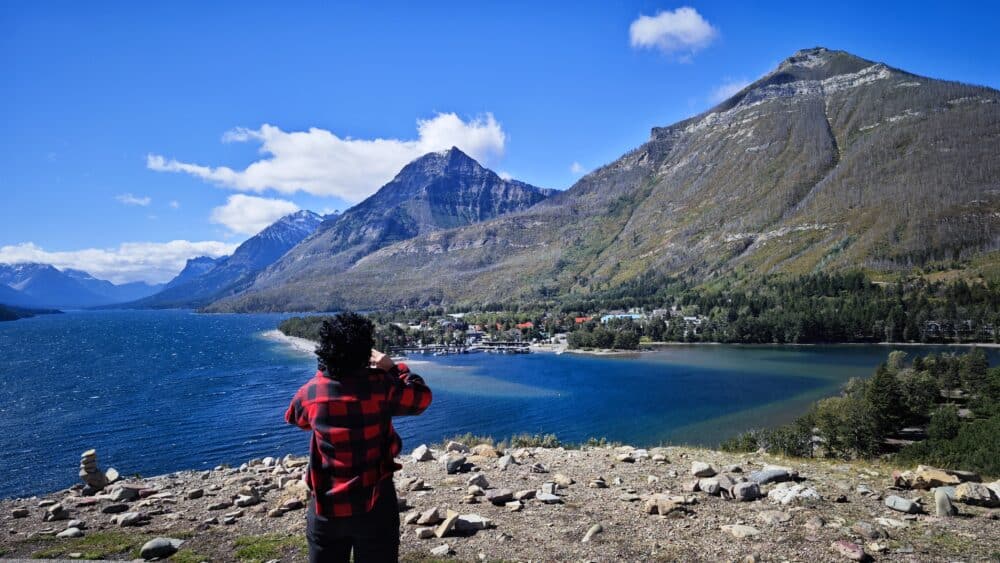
{"x":159,"y":391}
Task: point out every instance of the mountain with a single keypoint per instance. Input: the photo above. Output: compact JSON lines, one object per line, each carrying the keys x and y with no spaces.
{"x":42,"y":285}
{"x":829,"y":162}
{"x":204,"y":280}
{"x":113,"y":293}
{"x":193,"y":268}
{"x":438,"y":191}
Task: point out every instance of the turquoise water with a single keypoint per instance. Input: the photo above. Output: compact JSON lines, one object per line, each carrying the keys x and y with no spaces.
{"x":158,"y":391}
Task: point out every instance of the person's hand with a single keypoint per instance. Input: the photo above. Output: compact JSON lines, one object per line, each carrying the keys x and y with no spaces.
{"x":381,"y":361}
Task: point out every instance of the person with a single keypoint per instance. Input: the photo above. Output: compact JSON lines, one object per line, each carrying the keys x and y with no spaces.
{"x":348,"y":408}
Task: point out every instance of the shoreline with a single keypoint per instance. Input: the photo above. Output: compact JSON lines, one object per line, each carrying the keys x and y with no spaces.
{"x":296,"y":343}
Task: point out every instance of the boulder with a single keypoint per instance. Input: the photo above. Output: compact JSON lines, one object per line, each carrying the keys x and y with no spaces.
{"x":524,"y":495}
{"x":866,"y":530}
{"x":901,"y":504}
{"x":485,"y":450}
{"x":793,"y":493}
{"x":472,"y":523}
{"x":479,"y":480}
{"x":773,"y":474}
{"x":424,"y":533}
{"x":115,"y":509}
{"x":159,"y":548}
{"x":745,"y":492}
{"x":976,"y":494}
{"x":458,"y":447}
{"x":55,"y":512}
{"x":549,"y":488}
{"x":702,"y":469}
{"x":546,"y":498}
{"x":446,"y":526}
{"x":505,"y":462}
{"x":942,"y":504}
{"x":454,"y":463}
{"x":499,"y":496}
{"x":429,"y":517}
{"x":422,"y":453}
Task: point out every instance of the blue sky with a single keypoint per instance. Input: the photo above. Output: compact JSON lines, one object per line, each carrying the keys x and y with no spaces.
{"x":105,"y":105}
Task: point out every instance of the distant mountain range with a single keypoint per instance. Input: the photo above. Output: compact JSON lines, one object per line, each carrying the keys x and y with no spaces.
{"x":829,"y":162}
{"x":43,"y":285}
{"x":204,"y":280}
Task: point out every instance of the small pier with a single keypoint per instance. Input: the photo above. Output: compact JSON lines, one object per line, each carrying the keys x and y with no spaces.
{"x":493,"y":347}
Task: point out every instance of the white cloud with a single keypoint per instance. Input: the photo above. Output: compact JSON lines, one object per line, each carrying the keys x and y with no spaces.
{"x":576,"y":168}
{"x":154,"y":262}
{"x":129,"y":199}
{"x":682,"y":32}
{"x":174,"y":204}
{"x":320,"y":163}
{"x":728,"y":89}
{"x":248,"y":215}
{"x":504,"y":175}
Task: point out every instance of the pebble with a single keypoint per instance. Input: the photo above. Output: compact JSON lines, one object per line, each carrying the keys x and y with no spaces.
{"x":593,"y":531}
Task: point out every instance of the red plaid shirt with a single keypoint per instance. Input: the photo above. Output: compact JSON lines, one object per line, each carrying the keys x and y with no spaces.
{"x":353,"y":444}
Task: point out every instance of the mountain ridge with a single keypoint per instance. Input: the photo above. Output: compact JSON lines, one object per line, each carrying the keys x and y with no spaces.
{"x":828,"y":162}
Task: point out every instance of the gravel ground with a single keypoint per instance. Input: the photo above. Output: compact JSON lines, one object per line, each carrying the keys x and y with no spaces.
{"x":806,"y":529}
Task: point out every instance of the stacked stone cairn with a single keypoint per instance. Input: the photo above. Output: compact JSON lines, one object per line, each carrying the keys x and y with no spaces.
{"x":94,"y":479}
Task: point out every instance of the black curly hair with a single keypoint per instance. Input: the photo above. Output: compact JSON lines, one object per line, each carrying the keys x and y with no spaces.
{"x":345,"y":344}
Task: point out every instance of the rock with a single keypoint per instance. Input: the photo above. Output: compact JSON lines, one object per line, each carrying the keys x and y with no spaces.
{"x":479,"y":480}
{"x":942,"y":504}
{"x":598,"y":483}
{"x":70,"y":533}
{"x":222,"y":505}
{"x":891,"y":523}
{"x":732,"y":469}
{"x":244,"y":501}
{"x":55,"y":512}
{"x":773,"y":517}
{"x":127,"y":519}
{"x":445,"y":527}
{"x":538,"y":468}
{"x":111,"y":475}
{"x":745,"y":492}
{"x":195,"y":494}
{"x":740,"y":531}
{"x":702,"y":469}
{"x":659,"y":458}
{"x":524,"y":495}
{"x":625,"y":457}
{"x":424,"y":533}
{"x":505,"y":462}
{"x":430,"y":517}
{"x":412,"y":484}
{"x":475,"y":490}
{"x":665,"y":505}
{"x":422,"y":453}
{"x":593,"y":531}
{"x":472,"y":523}
{"x":976,"y":494}
{"x":548,"y":499}
{"x":690,"y":486}
{"x":562,"y":480}
{"x":159,"y":548}
{"x":76,"y":524}
{"x":709,"y":486}
{"x":850,"y":550}
{"x":815,"y":523}
{"x":773,"y":474}
{"x":19,"y":513}
{"x":866,"y":530}
{"x":458,"y":447}
{"x":514,"y":506}
{"x":454,"y":464}
{"x":410,"y":517}
{"x":276,"y":512}
{"x":499,"y":496}
{"x":793,"y":493}
{"x":550,"y":488}
{"x":925,"y":478}
{"x":441,"y":550}
{"x":902,"y":505}
{"x":485,"y":450}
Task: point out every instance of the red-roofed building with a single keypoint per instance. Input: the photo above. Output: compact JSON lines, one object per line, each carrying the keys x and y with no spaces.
{"x":528,"y":324}
{"x":581,"y":320}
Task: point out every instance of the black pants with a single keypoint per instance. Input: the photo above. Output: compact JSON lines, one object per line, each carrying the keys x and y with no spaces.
{"x":373,"y":536}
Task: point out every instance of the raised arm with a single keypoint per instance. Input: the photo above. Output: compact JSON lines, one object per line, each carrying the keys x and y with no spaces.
{"x":408,"y":394}
{"x":296,"y":414}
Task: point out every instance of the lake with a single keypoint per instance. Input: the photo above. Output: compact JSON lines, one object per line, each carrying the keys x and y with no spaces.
{"x":159,"y":391}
